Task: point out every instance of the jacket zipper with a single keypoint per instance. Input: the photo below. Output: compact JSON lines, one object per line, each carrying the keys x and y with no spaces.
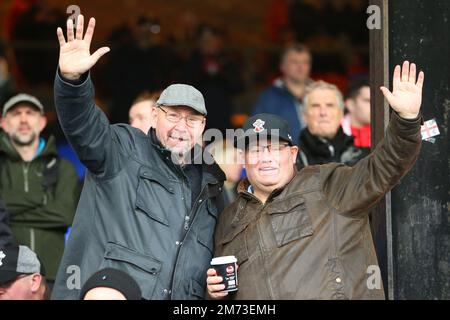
{"x":25,"y":168}
{"x":187,"y":227}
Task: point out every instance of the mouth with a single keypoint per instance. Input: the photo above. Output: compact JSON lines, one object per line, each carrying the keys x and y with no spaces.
{"x":268,"y":170}
{"x":178,"y":139}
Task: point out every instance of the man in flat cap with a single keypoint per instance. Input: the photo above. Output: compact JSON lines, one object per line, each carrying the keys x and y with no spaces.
{"x":146,"y":208}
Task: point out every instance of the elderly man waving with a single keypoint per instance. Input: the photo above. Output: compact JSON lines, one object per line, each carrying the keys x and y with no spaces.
{"x":145,"y":209}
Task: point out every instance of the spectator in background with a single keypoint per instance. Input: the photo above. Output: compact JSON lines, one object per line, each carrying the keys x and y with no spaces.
{"x":228,"y":158}
{"x":356,"y":122}
{"x":5,"y":76}
{"x":323,"y":140}
{"x":22,"y":275}
{"x":285,"y":97}
{"x":5,"y":230}
{"x":216,"y":75}
{"x":140,"y":114}
{"x":110,"y":284}
{"x":39,"y":189}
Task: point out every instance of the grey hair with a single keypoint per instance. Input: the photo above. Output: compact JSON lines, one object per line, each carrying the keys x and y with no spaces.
{"x":322,"y":85}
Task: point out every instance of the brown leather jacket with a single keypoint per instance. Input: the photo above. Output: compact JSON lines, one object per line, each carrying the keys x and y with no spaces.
{"x":312,"y":240}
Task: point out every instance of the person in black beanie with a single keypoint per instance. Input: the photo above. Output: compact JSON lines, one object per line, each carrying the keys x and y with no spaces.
{"x":110,"y":284}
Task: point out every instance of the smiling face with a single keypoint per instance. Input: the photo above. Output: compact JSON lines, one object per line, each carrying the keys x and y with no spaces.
{"x":178,"y":136}
{"x":323,"y":114}
{"x":23,"y":123}
{"x":269,"y":170}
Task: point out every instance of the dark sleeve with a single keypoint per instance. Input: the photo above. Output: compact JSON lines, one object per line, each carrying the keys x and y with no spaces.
{"x":97,"y":143}
{"x":5,"y":232}
{"x":354,"y":190}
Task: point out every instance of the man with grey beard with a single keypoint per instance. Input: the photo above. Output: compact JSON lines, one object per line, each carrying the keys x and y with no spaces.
{"x":147,"y":207}
{"x":39,"y":189}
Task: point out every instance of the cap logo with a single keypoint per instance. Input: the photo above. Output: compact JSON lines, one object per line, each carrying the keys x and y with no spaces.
{"x":289,"y":136}
{"x":2,"y":256}
{"x":259,"y":126}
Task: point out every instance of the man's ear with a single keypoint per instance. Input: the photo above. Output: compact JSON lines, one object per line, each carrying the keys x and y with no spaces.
{"x":36,"y":280}
{"x":3,"y":124}
{"x":154,"y":116}
{"x":42,"y":123}
{"x":294,"y":152}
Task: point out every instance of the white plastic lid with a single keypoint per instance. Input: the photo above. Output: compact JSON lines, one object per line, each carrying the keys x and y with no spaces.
{"x":223,"y":260}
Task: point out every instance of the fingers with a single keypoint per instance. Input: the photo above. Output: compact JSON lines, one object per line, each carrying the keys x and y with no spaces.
{"x":90,"y":30}
{"x":218,"y":295}
{"x":211,"y":272}
{"x":99,"y":53}
{"x":420,"y":79}
{"x":396,"y":76}
{"x":70,"y":30}
{"x":80,"y":26}
{"x":387,"y":94}
{"x":412,"y":73}
{"x":405,"y":71}
{"x":213,"y":280}
{"x":61,"y":39}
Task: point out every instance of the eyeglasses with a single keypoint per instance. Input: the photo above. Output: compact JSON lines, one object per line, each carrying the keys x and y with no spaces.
{"x":256,"y":151}
{"x":191,"y":121}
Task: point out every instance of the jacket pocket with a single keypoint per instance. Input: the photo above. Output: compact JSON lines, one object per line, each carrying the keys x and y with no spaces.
{"x":233,"y":243}
{"x":197,"y":290}
{"x":152,"y":193}
{"x":144,"y":269}
{"x":290,"y":220}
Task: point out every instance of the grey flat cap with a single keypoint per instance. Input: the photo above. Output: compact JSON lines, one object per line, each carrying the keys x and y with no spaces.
{"x":21,"y":98}
{"x":182,"y":95}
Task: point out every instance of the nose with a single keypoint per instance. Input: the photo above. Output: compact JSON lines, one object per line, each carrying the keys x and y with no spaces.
{"x":323,"y":111}
{"x":265,"y":156}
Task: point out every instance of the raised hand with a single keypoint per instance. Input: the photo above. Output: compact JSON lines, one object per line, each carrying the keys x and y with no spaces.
{"x":406,"y":95}
{"x":74,"y":54}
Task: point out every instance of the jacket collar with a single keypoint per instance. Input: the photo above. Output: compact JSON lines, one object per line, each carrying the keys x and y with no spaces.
{"x":320,"y":147}
{"x":7,"y":148}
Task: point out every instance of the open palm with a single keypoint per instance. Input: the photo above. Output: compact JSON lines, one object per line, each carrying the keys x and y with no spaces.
{"x":74,"y":55}
{"x":406,"y":95}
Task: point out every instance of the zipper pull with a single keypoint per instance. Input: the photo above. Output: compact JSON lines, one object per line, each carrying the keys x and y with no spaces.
{"x":186,"y":223}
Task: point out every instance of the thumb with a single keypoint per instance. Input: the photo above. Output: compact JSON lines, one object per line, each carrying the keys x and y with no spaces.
{"x":387,"y":94}
{"x":99,"y":53}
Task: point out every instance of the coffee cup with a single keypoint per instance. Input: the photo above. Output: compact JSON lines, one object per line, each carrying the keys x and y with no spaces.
{"x":226,"y":267}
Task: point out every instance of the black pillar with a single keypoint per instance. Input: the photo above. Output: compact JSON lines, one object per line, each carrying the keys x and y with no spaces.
{"x":420,"y":205}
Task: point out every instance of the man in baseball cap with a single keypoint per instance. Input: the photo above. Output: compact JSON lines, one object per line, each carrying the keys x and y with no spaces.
{"x":22,"y":98}
{"x":263,"y":126}
{"x":22,"y":276}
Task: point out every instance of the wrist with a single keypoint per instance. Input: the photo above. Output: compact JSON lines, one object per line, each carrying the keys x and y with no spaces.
{"x":70,"y":76}
{"x":409,"y":116}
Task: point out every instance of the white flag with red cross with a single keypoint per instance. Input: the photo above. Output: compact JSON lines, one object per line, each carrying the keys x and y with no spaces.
{"x":429,"y":129}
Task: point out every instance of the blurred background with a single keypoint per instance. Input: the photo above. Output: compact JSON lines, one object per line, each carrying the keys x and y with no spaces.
{"x":228,"y":49}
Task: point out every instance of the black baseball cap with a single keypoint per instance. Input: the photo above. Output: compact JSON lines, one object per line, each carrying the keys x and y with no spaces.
{"x":16,"y":261}
{"x":264,"y":125}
